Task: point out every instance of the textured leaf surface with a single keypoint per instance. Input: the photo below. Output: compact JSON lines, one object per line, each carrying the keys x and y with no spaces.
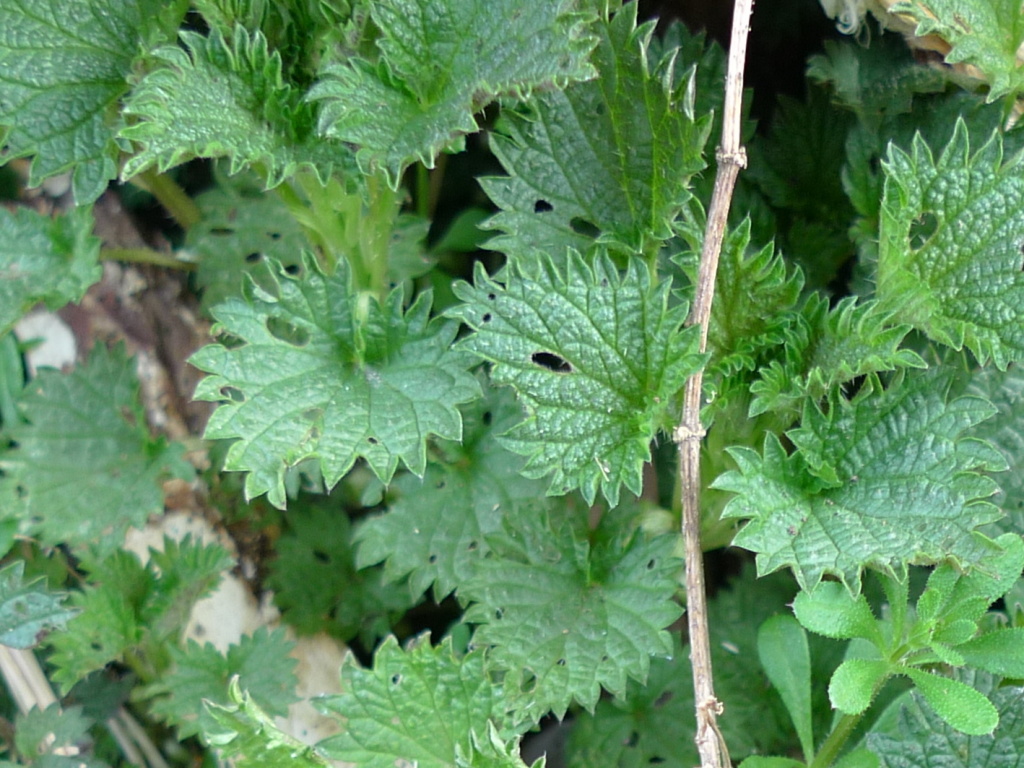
{"x":64,"y":66}
{"x":201,"y":672}
{"x":436,"y":530}
{"x":420,"y":706}
{"x":614,"y":154}
{"x":921,"y":739}
{"x":52,"y":738}
{"x":441,"y":62}
{"x":986,"y":34}
{"x":329,"y":375}
{"x":966,"y":709}
{"x":248,"y":736}
{"x":85,"y":467}
{"x":43,"y":259}
{"x":949,"y":260}
{"x":855,"y":683}
{"x":565,"y":617}
{"x":883,"y":481}
{"x":596,"y":358}
{"x":316,"y":584}
{"x":222,"y":97}
{"x":27,"y":610}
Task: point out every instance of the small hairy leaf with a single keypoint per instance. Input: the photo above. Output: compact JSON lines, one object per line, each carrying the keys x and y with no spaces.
{"x":949,"y":253}
{"x":202,"y":673}
{"x":324,"y":373}
{"x":44,"y":260}
{"x":437,"y":529}
{"x":986,"y":34}
{"x":963,"y":707}
{"x":564,"y":618}
{"x":882,"y":481}
{"x":832,"y":611}
{"x":419,"y":706}
{"x":1000,"y":652}
{"x":27,"y":610}
{"x":855,"y":683}
{"x":219,"y":97}
{"x":921,"y":739}
{"x":596,"y":357}
{"x":65,"y":66}
{"x":441,"y":62}
{"x":244,"y":733}
{"x":610,"y":158}
{"x":85,"y":467}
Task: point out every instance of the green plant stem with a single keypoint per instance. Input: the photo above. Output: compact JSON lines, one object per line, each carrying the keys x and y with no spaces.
{"x":422,"y":190}
{"x":171,"y":196}
{"x":146,"y":256}
{"x":836,"y":741}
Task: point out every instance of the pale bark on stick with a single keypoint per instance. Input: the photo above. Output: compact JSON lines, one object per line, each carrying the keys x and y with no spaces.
{"x":731,"y":158}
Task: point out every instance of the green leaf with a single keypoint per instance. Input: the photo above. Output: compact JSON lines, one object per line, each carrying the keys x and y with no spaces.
{"x":613,"y":155}
{"x":855,"y":683}
{"x":831,"y":610}
{"x":27,"y":610}
{"x":757,"y":761}
{"x":949,"y":260}
{"x":441,"y":62}
{"x":920,"y":738}
{"x":43,"y":259}
{"x":260,"y":661}
{"x":52,"y":738}
{"x":825,"y":348}
{"x":966,"y":709}
{"x":85,"y":467}
{"x":881,"y":481}
{"x":987,"y":35}
{"x":436,"y":531}
{"x":1000,"y":652}
{"x":564,"y":617}
{"x":323,"y":373}
{"x":421,"y":706}
{"x":316,"y":584}
{"x":596,"y":357}
{"x":65,"y":67}
{"x":782,"y":649}
{"x":246,"y":735}
{"x":184,"y":571}
{"x":219,"y":97}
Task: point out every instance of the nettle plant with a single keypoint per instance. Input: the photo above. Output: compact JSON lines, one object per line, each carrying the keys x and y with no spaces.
{"x":498,"y":427}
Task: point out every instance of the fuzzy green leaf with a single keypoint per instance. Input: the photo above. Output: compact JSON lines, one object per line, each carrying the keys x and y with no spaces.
{"x":921,"y":739}
{"x":202,"y":673}
{"x":882,"y":481}
{"x":220,"y":97}
{"x":52,"y":738}
{"x":325,"y":374}
{"x":596,"y":357}
{"x":564,"y":617}
{"x":855,"y":683}
{"x":985,"y":34}
{"x":316,"y":584}
{"x":27,"y":610}
{"x":966,"y":709}
{"x":42,"y":259}
{"x":613,"y":155}
{"x":441,"y":62}
{"x":784,"y":654}
{"x":436,"y":531}
{"x":85,"y":467}
{"x":65,"y":67}
{"x":949,"y":260}
{"x":830,"y":610}
{"x":1000,"y":652}
{"x":420,"y":706}
{"x":244,"y":733}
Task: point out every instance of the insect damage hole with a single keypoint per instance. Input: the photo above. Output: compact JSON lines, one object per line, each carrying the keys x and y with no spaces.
{"x":551,"y":361}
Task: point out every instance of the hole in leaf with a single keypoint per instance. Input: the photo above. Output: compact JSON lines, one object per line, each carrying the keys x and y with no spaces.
{"x":221,"y":231}
{"x":561,"y":662}
{"x":552,"y":362}
{"x":604,"y":658}
{"x":274,"y":235}
{"x":651,"y":563}
{"x":432,"y":559}
{"x":293,"y":269}
{"x":441,"y":484}
{"x":312,"y":414}
{"x":487,"y":418}
{"x":234,"y":394}
{"x":396,"y":679}
{"x":499,"y":614}
{"x":529,"y":681}
{"x":372,"y":440}
{"x":600,"y":108}
{"x":253,"y":257}
{"x":230,"y":341}
{"x":583,"y":227}
{"x":321,"y":556}
{"x":287,"y":332}
{"x":491,"y":296}
{"x":95,"y":646}
{"x":21,"y":492}
{"x":922,"y":229}
{"x":664,"y":699}
{"x":472,"y":546}
{"x":633,"y":740}
{"x":487,"y":317}
{"x":542,"y":206}
{"x":656,"y":760}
